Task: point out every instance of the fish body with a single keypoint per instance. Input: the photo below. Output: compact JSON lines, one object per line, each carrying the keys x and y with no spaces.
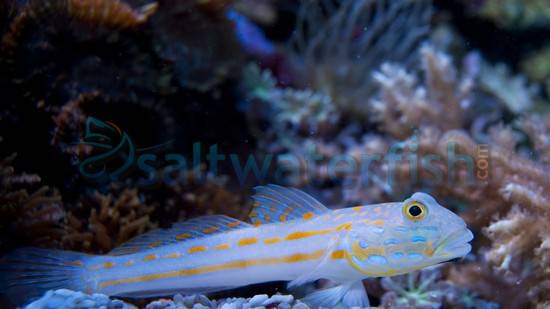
{"x":293,"y":238}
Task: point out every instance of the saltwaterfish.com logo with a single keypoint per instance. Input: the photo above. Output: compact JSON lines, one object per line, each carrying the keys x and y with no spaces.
{"x":114,"y":154}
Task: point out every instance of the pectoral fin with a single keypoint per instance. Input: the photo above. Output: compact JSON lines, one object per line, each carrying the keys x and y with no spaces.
{"x":346,"y":295}
{"x":314,"y":273}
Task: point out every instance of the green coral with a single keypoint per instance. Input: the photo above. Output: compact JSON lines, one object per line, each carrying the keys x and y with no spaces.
{"x":302,"y":109}
{"x":421,"y":289}
{"x":537,"y":65}
{"x":257,"y":83}
{"x":517,"y":13}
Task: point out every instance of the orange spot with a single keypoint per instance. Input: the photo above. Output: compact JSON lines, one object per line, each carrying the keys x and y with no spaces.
{"x":247,"y":241}
{"x":267,"y":218}
{"x":256,"y":204}
{"x":174,"y":255}
{"x":196,"y":249}
{"x":338,"y":254}
{"x":298,"y":235}
{"x":211,"y":229}
{"x":357,"y":208}
{"x":155,"y":244}
{"x":378,"y":210}
{"x":129,"y":263}
{"x":183,"y":236}
{"x":108,"y":265}
{"x":378,"y":222}
{"x":222,"y":247}
{"x":285,"y":214}
{"x":149,"y":257}
{"x":257,"y":223}
{"x":308,"y":215}
{"x":74,"y":263}
{"x":429,"y":250}
{"x":233,"y":224}
{"x":271,"y":241}
{"x":344,"y":226}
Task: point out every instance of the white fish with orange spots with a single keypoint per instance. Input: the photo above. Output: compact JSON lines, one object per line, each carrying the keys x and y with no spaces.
{"x":293,"y":237}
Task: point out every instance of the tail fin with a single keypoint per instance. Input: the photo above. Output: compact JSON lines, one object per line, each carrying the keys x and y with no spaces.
{"x":29,"y":272}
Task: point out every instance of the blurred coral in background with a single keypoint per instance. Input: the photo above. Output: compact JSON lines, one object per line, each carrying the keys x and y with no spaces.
{"x":304,"y":82}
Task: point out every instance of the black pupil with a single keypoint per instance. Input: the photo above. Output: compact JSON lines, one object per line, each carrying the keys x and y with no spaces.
{"x":415,"y":211}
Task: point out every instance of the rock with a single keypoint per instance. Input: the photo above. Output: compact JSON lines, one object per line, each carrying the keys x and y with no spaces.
{"x":67,"y":299}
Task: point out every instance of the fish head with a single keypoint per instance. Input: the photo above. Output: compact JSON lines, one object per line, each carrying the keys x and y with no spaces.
{"x":407,"y":236}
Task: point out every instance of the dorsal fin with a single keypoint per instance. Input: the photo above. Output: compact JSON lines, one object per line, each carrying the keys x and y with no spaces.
{"x":190,"y":229}
{"x":273,"y":203}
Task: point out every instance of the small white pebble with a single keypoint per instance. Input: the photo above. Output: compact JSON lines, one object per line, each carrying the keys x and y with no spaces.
{"x":300,"y":305}
{"x":257,"y":300}
{"x":178,"y":298}
{"x":276,"y":299}
{"x":229,"y":306}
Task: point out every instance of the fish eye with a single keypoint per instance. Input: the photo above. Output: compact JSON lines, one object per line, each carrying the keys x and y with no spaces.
{"x":415,"y":210}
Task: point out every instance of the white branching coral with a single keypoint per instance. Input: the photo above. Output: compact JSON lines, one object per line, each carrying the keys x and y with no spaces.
{"x":294,"y":110}
{"x":404,"y":105}
{"x":513,"y":91}
{"x":537,"y":127}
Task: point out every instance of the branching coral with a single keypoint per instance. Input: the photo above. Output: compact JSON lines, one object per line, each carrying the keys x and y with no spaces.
{"x":337,"y":44}
{"x":499,"y":183}
{"x":513,"y":91}
{"x":537,"y":127}
{"x":180,"y":195}
{"x":297,"y":112}
{"x":404,"y":107}
{"x":36,"y":218}
{"x":418,"y":290}
{"x":100,"y":222}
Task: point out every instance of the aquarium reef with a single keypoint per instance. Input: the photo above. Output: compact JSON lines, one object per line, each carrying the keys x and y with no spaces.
{"x":354,"y":102}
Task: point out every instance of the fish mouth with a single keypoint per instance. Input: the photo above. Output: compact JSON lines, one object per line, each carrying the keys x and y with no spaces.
{"x":455,"y":245}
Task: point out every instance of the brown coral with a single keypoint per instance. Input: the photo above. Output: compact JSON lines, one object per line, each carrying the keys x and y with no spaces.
{"x":28,"y":218}
{"x":69,"y":123}
{"x":182,"y":195}
{"x":404,"y":106}
{"x":109,"y":13}
{"x":507,"y":191}
{"x":100,"y":222}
